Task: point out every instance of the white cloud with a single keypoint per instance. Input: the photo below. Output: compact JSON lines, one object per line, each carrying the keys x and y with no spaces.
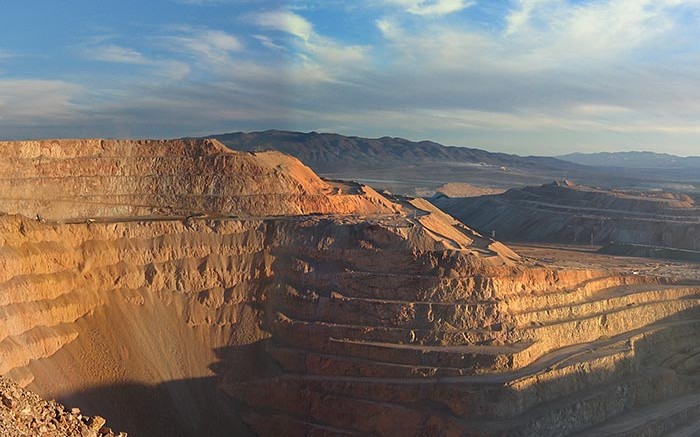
{"x":555,"y":30}
{"x":316,"y":58}
{"x":541,"y":35}
{"x":286,"y":21}
{"x":36,"y":101}
{"x":211,"y":46}
{"x":555,"y":69}
{"x":268,"y":42}
{"x":601,"y":109}
{"x":117,"y":54}
{"x":431,"y":7}
{"x":520,"y":17}
{"x":161,"y":67}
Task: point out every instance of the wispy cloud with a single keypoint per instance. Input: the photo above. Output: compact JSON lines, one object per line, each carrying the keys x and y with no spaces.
{"x":556,"y":29}
{"x":160,"y":67}
{"x":37,"y":100}
{"x":214,"y":47}
{"x":285,"y":21}
{"x":431,"y":7}
{"x":118,"y":54}
{"x":505,"y":75}
{"x":318,"y":58}
{"x":269,"y":43}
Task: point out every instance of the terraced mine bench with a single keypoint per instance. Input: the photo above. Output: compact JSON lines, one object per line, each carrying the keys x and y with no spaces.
{"x":177,"y":287}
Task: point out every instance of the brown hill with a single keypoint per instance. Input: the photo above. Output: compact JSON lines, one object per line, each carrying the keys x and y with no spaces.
{"x":298,"y":306}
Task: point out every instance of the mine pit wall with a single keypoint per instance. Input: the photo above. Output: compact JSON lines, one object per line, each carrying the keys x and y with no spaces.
{"x":80,"y":179}
{"x":150,"y":323}
{"x":517,"y":216}
{"x":141,"y":321}
{"x":126,"y":319}
{"x":569,"y":228}
{"x":194,"y":326}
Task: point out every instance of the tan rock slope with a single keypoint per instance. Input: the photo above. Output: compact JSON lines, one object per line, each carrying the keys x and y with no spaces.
{"x":565,"y":212}
{"x":72,"y":179}
{"x":178,"y":288}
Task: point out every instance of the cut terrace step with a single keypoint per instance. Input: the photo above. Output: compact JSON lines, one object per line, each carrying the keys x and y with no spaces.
{"x":401,"y":416}
{"x":474,"y":358}
{"x":586,"y":291}
{"x":301,"y":361}
{"x":601,"y":362}
{"x":379,"y":359}
{"x":469,"y":359}
{"x":496,"y":396}
{"x":39,"y":342}
{"x":574,"y":368}
{"x":48,"y":312}
{"x":617,"y":292}
{"x":582,"y":409}
{"x":279,"y":424}
{"x":658,"y":419}
{"x":322,"y":362}
{"x":611,"y":300}
{"x":433,"y":288}
{"x":342,"y":310}
{"x":500,"y":401}
{"x":594,"y":326}
{"x":349,"y":414}
{"x":305,"y":333}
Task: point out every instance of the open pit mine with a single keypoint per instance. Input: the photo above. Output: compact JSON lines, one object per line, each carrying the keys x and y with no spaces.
{"x":565,"y":212}
{"x":178,"y":288}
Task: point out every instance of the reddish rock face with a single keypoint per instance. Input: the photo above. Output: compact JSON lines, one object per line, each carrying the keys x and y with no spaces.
{"x":178,"y":288}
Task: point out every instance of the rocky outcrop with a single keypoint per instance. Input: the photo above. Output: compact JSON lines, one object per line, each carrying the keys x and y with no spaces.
{"x":326,"y":309}
{"x":23,"y":413}
{"x":564,"y":212}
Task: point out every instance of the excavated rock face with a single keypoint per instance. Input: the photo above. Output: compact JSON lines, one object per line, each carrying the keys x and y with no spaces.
{"x":564,"y":212}
{"x":73,"y":179}
{"x":296,"y":306}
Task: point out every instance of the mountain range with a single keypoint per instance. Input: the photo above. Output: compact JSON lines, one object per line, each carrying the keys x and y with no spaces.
{"x":633,"y":160}
{"x":416,"y":167}
{"x":327,"y":150}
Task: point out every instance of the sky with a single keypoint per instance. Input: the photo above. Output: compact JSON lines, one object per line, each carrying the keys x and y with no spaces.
{"x":542,"y":77}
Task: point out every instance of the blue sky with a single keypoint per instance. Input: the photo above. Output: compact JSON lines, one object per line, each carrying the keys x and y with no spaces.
{"x":521,"y":76}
